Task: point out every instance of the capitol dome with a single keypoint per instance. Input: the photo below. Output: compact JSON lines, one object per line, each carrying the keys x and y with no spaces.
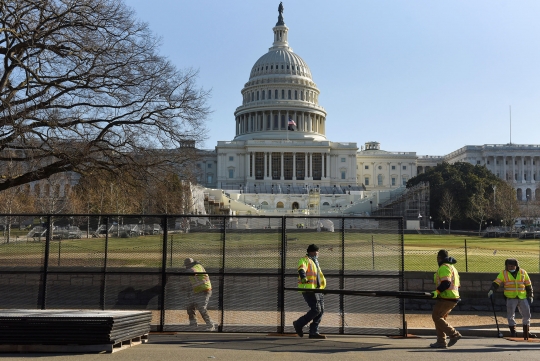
{"x":280,"y":99}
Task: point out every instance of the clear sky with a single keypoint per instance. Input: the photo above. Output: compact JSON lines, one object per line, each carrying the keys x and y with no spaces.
{"x":417,"y":76}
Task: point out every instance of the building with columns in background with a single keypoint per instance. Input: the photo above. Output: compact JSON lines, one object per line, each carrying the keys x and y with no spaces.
{"x":280,"y":127}
{"x":280,"y":147}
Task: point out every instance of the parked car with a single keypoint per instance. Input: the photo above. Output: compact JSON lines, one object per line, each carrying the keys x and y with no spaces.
{"x":153,"y":228}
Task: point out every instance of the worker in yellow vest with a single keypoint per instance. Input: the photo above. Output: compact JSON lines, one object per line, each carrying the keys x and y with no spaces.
{"x":447,"y":296}
{"x":518,"y":292}
{"x":310,"y":276}
{"x":201,"y":291}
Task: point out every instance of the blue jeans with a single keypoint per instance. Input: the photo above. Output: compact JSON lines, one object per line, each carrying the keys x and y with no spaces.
{"x":315,"y":302}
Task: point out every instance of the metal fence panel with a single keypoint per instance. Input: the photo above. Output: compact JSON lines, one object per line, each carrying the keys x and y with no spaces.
{"x":136,"y":262}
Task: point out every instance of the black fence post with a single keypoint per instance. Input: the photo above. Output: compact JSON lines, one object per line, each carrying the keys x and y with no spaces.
{"x":105,"y":260}
{"x":372,"y":253}
{"x":342,"y":279}
{"x":164,"y":222}
{"x":221,"y":303}
{"x":466,"y":258}
{"x":402,"y":278}
{"x":281,"y":291}
{"x":46,"y":263}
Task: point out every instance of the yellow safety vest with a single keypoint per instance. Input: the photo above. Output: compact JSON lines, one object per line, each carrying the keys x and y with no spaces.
{"x":200,"y":281}
{"x":514,"y":288}
{"x":306,"y":264}
{"x":448,"y":272}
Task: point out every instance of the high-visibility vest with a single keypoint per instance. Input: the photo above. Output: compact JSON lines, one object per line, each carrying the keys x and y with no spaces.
{"x":448,"y":272}
{"x":514,"y":287}
{"x":307,"y":264}
{"x":200,"y":281}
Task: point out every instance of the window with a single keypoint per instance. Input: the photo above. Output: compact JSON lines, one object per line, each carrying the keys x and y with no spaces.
{"x":404,"y":167}
{"x":289,"y":94}
{"x":209,"y":165}
{"x":342,"y":160}
{"x":252,"y":95}
{"x":343,"y":174}
{"x":506,"y":162}
{"x":276,"y":94}
{"x":366,"y":181}
{"x":269,"y":94}
{"x":209,"y":178}
{"x":497,"y":162}
{"x":231,"y":173}
{"x":257,"y":95}
{"x":282,"y":93}
{"x":380,"y":167}
{"x":379,"y":180}
{"x":525,"y":176}
{"x":263,"y":94}
{"x":404,"y":181}
{"x":231,"y":158}
{"x":296,"y":94}
{"x":477,"y":162}
{"x":366,"y":167}
{"x":393,"y":181}
{"x":488,"y":162}
{"x":393,"y":167}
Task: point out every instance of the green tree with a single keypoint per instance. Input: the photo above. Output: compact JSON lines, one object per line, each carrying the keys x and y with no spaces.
{"x":462,"y":181}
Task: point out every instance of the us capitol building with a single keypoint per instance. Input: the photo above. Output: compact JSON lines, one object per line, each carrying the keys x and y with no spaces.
{"x":280,"y":158}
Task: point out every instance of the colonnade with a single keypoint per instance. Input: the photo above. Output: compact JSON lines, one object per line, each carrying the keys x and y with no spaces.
{"x":277,"y":120}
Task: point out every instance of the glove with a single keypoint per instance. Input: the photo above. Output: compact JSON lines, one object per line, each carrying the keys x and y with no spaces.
{"x":304,"y":281}
{"x":434,"y":294}
{"x":490,"y":293}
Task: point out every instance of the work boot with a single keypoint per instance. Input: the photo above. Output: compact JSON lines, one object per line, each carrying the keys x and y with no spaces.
{"x":298,"y":329}
{"x":525,"y":332}
{"x":453,"y":340}
{"x":438,"y":345}
{"x":513,"y":331}
{"x":318,"y":336}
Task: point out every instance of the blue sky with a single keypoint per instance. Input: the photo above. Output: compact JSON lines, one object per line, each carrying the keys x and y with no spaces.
{"x":417,"y":76}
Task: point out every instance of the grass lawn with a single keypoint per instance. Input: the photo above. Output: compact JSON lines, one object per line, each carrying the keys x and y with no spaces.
{"x":256,"y":250}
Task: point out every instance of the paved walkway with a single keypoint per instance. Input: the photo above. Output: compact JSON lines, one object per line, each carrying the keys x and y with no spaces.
{"x":240,"y":347}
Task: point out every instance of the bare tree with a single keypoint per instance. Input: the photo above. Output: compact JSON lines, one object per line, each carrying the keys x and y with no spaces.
{"x":479,"y":208}
{"x":82,"y":87}
{"x":506,"y":205}
{"x":448,"y":209}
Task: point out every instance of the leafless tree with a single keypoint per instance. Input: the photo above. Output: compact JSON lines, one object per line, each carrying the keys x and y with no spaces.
{"x":479,"y":208}
{"x":82,"y":87}
{"x":449,"y":209}
{"x":506,"y":205}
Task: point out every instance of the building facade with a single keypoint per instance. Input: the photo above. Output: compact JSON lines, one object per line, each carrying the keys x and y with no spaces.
{"x":280,"y":129}
{"x":280,"y":142}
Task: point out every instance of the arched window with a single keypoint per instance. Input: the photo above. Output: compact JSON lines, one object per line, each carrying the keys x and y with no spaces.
{"x":279,"y":205}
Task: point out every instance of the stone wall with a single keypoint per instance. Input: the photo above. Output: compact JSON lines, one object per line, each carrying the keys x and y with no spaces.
{"x":473,"y":291}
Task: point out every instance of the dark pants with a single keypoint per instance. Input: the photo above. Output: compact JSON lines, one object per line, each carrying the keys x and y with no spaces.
{"x":315,"y":302}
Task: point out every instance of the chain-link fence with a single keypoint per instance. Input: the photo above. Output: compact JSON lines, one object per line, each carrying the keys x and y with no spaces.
{"x":136,"y":262}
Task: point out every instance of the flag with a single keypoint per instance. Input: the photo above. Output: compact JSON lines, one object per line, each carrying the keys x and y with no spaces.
{"x":292,"y":124}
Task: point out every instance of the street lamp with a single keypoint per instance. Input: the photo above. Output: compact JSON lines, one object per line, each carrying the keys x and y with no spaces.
{"x":429,"y":222}
{"x":443,"y":226}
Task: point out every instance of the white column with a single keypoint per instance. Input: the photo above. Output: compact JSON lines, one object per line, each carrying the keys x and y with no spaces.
{"x":306,"y":175}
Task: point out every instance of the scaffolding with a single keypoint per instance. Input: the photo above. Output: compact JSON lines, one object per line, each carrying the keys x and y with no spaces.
{"x":412,"y":205}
